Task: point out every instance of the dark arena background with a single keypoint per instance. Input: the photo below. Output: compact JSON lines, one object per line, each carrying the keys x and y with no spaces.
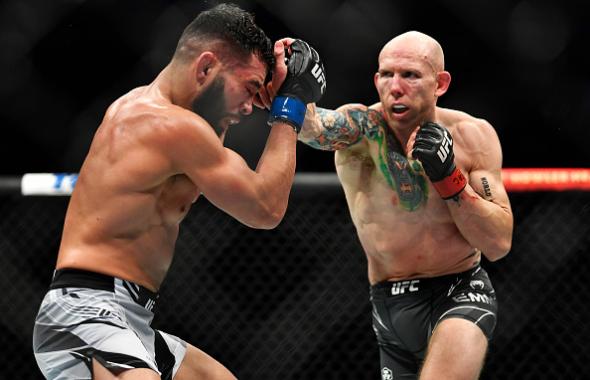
{"x":292,"y":303}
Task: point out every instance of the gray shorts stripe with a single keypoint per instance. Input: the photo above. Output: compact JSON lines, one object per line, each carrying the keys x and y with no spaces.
{"x":75,"y":324}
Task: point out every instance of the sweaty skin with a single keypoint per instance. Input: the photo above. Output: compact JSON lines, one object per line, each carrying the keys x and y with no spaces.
{"x":406,"y":229}
{"x":152,"y":157}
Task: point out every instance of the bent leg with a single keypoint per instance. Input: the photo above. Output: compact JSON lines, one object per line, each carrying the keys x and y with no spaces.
{"x":99,"y":372}
{"x":197,"y":365}
{"x":456,"y":351}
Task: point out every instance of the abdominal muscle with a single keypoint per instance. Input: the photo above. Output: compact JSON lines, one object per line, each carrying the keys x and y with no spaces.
{"x":117,"y":228}
{"x":397,"y":251}
{"x":401,"y":244}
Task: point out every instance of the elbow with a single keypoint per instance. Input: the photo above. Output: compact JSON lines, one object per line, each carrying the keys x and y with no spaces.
{"x":268,"y":207}
{"x":268,"y":218}
{"x":500,"y":243}
{"x":270,"y":222}
{"x":498,"y":249}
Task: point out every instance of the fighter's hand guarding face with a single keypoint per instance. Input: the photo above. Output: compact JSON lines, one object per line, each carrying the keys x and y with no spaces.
{"x":433,"y":146}
{"x":305,"y":82}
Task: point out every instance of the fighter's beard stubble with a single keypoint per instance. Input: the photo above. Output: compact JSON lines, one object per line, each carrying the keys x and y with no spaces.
{"x":211,"y":105}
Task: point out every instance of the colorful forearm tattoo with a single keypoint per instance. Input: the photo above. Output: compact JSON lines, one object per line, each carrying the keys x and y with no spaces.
{"x":339,"y":130}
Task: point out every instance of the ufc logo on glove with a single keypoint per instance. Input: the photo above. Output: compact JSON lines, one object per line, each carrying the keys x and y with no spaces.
{"x":446,"y":178}
{"x":443,"y":151}
{"x":318,"y":73}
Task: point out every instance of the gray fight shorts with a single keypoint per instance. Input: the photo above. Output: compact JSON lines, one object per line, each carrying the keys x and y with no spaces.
{"x":87,"y":315}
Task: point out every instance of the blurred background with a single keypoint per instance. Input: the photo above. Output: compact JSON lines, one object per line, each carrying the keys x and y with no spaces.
{"x":292,"y":303}
{"x":522,"y":65}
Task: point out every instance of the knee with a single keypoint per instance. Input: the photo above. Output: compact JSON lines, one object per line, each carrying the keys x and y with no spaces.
{"x":460,"y":333}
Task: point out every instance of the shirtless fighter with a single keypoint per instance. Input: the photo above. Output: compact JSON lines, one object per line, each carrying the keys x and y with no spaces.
{"x":155,"y":152}
{"x":425,"y":194}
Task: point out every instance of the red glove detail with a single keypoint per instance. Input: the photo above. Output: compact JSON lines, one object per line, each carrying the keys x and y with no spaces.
{"x":452,"y":185}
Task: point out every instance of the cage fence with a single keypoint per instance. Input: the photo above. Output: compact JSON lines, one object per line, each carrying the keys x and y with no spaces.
{"x":292,"y":303}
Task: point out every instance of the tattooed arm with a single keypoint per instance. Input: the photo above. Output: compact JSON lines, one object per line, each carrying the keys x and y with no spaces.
{"x":482,"y":211}
{"x":332,"y":130}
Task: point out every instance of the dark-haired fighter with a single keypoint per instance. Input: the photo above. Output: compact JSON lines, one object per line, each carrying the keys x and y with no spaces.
{"x":424,"y":191}
{"x":158,"y":148}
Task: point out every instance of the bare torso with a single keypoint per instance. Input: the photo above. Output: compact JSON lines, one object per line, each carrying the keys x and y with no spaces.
{"x":124,"y":214}
{"x":404,"y":226}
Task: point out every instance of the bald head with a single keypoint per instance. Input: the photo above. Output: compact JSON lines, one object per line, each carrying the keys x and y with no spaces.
{"x":418,"y":45}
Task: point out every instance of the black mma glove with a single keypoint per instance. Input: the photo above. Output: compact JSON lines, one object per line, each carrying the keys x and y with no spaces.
{"x":305,"y":83}
{"x":434,"y":148}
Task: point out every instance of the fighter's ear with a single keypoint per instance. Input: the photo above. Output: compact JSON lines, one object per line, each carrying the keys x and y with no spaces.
{"x":443,"y":80}
{"x":206,"y":65}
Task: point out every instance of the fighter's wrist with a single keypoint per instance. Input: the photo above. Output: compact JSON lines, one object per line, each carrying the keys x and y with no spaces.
{"x":451,"y":185}
{"x":289,"y":110}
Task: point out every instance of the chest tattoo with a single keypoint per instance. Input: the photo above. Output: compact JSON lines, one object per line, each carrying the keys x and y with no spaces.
{"x":401,"y":175}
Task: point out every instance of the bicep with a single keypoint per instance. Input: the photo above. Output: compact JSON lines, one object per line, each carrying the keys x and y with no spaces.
{"x":222,"y":176}
{"x":219,"y":173}
{"x":488,"y":184}
{"x":486,"y":174}
{"x":226,"y":181}
{"x":333,"y":129}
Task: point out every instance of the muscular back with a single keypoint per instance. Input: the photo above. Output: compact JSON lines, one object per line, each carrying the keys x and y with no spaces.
{"x":124,"y":213}
{"x":404,"y":226}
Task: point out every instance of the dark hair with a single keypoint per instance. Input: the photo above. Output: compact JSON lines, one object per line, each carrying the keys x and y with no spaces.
{"x":231,"y":25}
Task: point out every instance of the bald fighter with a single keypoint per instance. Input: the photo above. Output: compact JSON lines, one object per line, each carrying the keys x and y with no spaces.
{"x":424,"y":191}
{"x":159,"y":148}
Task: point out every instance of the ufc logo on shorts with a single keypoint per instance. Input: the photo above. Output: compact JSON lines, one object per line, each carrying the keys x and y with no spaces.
{"x":318,"y":74}
{"x":444,"y":149}
{"x":402,"y":286}
{"x":472,"y":297}
{"x":386,"y":374}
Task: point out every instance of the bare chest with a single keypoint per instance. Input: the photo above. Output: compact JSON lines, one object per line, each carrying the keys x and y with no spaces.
{"x":380,"y":180}
{"x":403,"y":225}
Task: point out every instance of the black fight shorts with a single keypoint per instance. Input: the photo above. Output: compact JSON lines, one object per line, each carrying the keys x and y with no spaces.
{"x":405,"y":313}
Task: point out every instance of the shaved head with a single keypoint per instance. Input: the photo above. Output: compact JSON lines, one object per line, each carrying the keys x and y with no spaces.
{"x":416,"y":44}
{"x":410,"y":79}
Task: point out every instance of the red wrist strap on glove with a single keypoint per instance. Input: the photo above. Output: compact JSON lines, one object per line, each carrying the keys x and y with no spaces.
{"x":451,"y":185}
